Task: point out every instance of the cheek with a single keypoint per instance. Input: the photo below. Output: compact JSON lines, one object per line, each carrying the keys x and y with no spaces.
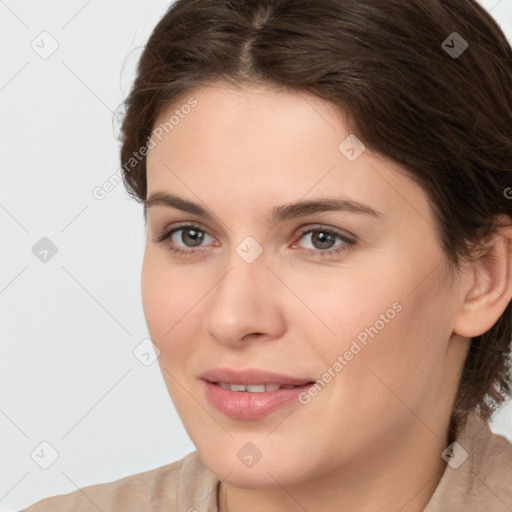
{"x":343,"y":305}
{"x":156,"y":298}
{"x":168,"y":302}
{"x":389,"y":322}
{"x":403,"y":341}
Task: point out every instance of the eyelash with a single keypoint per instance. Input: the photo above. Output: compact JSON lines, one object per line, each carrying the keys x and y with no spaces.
{"x":347,"y":242}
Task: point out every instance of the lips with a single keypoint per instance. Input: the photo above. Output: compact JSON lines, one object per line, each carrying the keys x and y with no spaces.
{"x":254,"y":388}
{"x":251,"y":377}
{"x":251,"y":394}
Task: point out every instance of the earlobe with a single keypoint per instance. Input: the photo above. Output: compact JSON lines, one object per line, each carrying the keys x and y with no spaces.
{"x":489,"y":287}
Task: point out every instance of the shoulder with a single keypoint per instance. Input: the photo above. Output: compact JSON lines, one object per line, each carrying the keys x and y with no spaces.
{"x":493,"y":472}
{"x":157,"y":489}
{"x":479,"y":476}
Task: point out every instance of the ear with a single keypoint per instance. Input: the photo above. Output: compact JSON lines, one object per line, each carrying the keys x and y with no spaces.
{"x":487,"y":285}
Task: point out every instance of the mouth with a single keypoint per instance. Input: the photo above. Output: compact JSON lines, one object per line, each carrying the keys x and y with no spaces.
{"x":252,"y":378}
{"x":257,"y":388}
{"x":252,"y":394}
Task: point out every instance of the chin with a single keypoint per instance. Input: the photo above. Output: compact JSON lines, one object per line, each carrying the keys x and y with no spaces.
{"x":265,"y":473}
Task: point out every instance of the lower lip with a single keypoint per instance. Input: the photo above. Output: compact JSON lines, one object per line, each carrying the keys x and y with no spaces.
{"x":244,"y":405}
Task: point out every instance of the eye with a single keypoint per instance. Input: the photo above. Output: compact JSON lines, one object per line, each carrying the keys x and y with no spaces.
{"x":322,"y":241}
{"x":187,"y":239}
{"x":179,"y":238}
{"x":190,"y":237}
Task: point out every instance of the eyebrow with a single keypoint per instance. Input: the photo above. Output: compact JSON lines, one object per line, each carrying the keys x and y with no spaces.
{"x":279,"y":213}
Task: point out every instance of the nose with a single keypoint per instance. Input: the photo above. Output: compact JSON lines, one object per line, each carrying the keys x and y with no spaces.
{"x":245,"y":305}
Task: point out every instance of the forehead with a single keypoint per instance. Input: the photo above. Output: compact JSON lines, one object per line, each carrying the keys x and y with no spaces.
{"x":255,"y":141}
{"x":249,"y":119}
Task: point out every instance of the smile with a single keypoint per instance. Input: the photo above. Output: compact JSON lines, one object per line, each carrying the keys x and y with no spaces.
{"x":254,"y":388}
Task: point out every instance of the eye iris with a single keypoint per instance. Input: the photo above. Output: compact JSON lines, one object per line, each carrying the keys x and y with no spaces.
{"x":192,"y":235}
{"x":323,"y":239}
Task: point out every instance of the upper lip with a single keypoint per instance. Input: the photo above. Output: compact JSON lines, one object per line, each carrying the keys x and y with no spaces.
{"x":250,"y":376}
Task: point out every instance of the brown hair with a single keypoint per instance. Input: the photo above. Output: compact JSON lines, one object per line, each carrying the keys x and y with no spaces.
{"x":447,"y":119}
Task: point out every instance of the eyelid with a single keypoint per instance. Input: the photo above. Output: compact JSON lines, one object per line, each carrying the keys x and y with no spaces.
{"x":166,"y":232}
{"x":348,"y":239}
{"x":328,"y":229}
{"x":301,"y":231}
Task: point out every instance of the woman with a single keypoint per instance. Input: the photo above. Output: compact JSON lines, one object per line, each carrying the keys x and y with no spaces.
{"x":327,"y":273}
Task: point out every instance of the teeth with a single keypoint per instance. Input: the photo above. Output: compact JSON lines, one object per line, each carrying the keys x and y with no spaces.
{"x":254,"y":388}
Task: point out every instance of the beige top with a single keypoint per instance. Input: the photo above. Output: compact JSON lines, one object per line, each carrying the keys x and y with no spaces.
{"x":481,"y":483}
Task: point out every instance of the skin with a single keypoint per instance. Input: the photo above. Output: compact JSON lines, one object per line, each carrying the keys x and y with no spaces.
{"x":372,"y":438}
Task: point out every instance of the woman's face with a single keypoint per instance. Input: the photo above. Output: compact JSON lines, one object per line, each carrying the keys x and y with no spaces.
{"x":303,"y":257}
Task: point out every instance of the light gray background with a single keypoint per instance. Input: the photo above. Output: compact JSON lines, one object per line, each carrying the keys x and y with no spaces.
{"x":68,"y":373}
